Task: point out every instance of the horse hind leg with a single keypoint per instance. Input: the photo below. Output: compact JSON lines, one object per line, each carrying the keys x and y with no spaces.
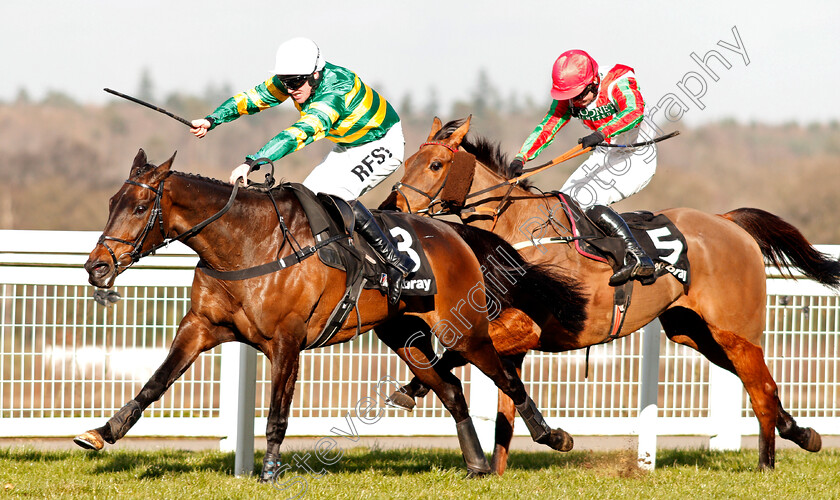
{"x":403,"y":398}
{"x":418,"y":353}
{"x":741,"y":357}
{"x":805,"y":437}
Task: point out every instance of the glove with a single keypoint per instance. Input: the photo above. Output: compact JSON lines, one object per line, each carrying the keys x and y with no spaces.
{"x":516,"y":167}
{"x":591,"y":139}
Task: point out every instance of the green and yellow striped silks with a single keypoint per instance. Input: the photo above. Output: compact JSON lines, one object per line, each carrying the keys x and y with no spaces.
{"x":343,"y":109}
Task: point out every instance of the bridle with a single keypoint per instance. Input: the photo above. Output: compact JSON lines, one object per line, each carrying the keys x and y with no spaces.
{"x":433,"y":198}
{"x":156,"y":218}
{"x":156,"y":215}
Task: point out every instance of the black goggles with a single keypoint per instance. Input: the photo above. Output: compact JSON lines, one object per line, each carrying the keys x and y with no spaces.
{"x":294,"y":82}
{"x":592,"y":87}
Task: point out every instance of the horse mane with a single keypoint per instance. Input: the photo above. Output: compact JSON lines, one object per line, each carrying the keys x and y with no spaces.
{"x":276,"y":189}
{"x":201,"y":178}
{"x":488,"y":153}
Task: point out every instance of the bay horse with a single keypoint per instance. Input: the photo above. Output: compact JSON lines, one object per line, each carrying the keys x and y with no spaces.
{"x":281,"y":313}
{"x":721,"y":314}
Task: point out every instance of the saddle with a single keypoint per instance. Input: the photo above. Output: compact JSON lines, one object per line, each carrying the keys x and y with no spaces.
{"x":657,"y":235}
{"x":330,"y":216}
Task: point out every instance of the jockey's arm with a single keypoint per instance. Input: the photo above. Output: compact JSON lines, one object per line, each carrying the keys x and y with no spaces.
{"x":557,"y":117}
{"x":630,"y":104}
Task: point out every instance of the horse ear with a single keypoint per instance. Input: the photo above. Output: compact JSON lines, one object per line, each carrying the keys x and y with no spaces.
{"x":436,"y":126}
{"x":459,"y":133}
{"x":162,"y":170}
{"x":140,"y":161}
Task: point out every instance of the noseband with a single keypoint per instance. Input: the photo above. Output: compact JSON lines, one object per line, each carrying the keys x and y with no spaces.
{"x":433,"y":198}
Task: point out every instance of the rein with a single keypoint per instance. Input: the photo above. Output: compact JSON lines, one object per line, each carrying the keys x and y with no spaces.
{"x":157,"y":216}
{"x":568,"y":155}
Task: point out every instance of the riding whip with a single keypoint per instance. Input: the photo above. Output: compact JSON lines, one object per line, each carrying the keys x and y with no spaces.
{"x":640,"y":144}
{"x":152,"y":106}
{"x":579,"y":150}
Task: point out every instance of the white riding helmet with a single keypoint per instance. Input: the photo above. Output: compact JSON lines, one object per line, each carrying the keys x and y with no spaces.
{"x":298,"y":56}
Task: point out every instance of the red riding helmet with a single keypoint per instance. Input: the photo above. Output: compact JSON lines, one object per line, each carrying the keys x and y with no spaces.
{"x":572,"y":72}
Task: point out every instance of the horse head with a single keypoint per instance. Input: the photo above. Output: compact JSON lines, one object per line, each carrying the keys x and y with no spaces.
{"x":430,"y":173}
{"x":135,"y":222}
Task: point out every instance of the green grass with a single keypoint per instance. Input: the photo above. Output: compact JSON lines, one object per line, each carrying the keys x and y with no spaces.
{"x":420,"y":473}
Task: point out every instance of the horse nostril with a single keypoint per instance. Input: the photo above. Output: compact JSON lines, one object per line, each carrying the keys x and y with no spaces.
{"x":97,"y":269}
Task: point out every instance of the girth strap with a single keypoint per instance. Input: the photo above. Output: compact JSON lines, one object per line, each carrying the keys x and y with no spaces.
{"x":621,"y":303}
{"x":341,"y":312}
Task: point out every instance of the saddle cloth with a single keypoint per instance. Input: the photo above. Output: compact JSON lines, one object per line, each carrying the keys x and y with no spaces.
{"x":329,"y":216}
{"x":657,"y":235}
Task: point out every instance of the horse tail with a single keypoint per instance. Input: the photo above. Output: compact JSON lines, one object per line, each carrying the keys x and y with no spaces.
{"x":785,"y":247}
{"x":535,"y":289}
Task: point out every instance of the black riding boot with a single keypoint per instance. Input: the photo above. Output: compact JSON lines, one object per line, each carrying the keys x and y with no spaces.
{"x":637,"y":264}
{"x":399,"y":264}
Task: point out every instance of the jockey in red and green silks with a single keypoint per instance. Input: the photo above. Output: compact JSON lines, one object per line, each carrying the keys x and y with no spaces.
{"x":613,"y":108}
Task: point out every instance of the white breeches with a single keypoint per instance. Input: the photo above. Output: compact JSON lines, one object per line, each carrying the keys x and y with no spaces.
{"x":610,"y":175}
{"x":351,"y":172}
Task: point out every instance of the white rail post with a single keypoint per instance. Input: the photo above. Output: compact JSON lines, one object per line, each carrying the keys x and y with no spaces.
{"x":484,"y":397}
{"x":237,"y":399}
{"x":648,"y":395}
{"x":725,"y":390}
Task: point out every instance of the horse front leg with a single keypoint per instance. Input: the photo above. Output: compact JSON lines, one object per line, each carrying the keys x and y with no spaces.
{"x":194,"y":336}
{"x":285,"y":361}
{"x":504,"y":419}
{"x":481,"y":353}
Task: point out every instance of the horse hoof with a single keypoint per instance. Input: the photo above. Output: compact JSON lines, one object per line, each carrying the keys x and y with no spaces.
{"x":814,"y":442}
{"x":475,"y":474}
{"x":90,"y":440}
{"x":401,"y":401}
{"x":766,"y":468}
{"x":560,"y":440}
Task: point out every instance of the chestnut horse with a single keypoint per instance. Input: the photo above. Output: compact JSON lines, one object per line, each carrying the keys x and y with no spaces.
{"x":721,"y":314}
{"x":282,"y":312}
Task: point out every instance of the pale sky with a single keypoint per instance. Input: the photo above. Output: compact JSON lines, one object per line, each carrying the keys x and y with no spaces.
{"x":79,"y":47}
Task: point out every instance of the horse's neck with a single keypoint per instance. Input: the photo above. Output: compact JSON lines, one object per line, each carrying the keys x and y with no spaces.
{"x":238,"y":238}
{"x":522,"y":210}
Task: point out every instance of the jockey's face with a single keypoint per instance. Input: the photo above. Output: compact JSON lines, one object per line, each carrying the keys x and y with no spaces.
{"x":303,"y":93}
{"x":300,"y":92}
{"x":586,"y":97}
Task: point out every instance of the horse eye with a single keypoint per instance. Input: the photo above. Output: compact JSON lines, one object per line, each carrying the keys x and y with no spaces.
{"x":140,"y":209}
{"x":435,"y":166}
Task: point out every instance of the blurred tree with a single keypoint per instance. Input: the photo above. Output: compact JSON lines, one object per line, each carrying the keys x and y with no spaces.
{"x":22,"y":97}
{"x":485,"y":96}
{"x":146,"y":90}
{"x":433,"y":104}
{"x":58,"y":99}
{"x":217,"y":94}
{"x":513,"y":107}
{"x":406,"y":107}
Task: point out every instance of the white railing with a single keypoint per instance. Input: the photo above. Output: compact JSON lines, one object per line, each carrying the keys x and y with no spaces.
{"x":66,"y":363}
